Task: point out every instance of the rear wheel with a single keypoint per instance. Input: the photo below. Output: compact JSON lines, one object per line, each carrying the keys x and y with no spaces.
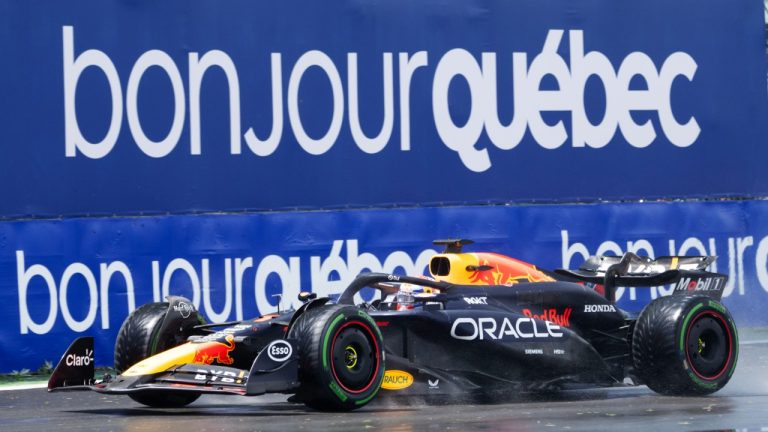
{"x":139,"y":337}
{"x":341,"y":357}
{"x":685,"y":345}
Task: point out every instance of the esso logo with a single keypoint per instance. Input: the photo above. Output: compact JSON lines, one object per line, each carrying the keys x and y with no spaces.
{"x":279,"y":351}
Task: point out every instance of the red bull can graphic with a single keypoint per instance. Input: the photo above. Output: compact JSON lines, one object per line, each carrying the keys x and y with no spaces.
{"x":488,"y":269}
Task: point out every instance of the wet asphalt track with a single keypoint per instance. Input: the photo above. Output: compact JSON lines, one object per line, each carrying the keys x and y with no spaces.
{"x":742,"y":406}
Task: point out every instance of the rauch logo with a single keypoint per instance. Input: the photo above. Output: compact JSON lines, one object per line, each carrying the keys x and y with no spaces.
{"x":396,"y":380}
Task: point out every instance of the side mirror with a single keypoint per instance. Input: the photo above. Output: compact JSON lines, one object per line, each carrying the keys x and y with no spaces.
{"x":305,"y":296}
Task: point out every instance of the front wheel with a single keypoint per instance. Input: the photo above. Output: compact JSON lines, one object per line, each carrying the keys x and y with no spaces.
{"x":341,"y":357}
{"x":685,"y":345}
{"x":139,"y":337}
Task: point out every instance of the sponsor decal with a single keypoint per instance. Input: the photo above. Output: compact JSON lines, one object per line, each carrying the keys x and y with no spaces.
{"x":80,"y":360}
{"x":218,"y":375}
{"x":279,"y":350}
{"x":552,"y":315}
{"x":572,"y":72}
{"x":215,"y":351}
{"x":702,"y":284}
{"x":396,"y":380}
{"x":338,"y":391}
{"x":433,"y":385}
{"x":599,"y":308}
{"x":534,"y":351}
{"x":329,"y":272}
{"x":502,"y":274}
{"x":476,"y":300}
{"x":493,"y":329}
{"x":184,"y":309}
{"x":222,"y":334}
{"x":558,"y":351}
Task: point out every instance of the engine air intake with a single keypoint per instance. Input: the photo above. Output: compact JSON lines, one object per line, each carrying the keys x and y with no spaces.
{"x":440,"y":266}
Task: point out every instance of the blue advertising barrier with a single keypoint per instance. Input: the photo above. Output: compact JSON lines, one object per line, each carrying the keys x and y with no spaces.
{"x":64,"y":278}
{"x":135,"y":107}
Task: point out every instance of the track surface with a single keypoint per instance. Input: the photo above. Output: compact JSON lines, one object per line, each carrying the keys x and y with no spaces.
{"x":742,"y":406}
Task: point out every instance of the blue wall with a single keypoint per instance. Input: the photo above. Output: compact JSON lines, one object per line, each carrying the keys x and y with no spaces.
{"x":60,"y":278}
{"x":135,"y":107}
{"x":125,"y":124}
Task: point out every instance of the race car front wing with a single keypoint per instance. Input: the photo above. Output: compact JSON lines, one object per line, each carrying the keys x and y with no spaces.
{"x":269,"y":373}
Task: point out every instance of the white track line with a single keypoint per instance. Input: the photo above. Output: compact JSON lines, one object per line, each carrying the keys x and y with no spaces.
{"x":754,"y":342}
{"x":26,"y":386}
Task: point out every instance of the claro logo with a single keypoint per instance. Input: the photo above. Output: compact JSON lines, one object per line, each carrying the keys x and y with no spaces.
{"x":479,"y":72}
{"x":493,"y":329}
{"x":80,"y":360}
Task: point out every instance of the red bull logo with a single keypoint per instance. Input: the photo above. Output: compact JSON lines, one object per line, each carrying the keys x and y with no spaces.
{"x":215,"y":351}
{"x":552,"y":315}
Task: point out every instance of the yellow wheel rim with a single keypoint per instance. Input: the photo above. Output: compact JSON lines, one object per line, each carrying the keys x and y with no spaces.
{"x":350,"y":356}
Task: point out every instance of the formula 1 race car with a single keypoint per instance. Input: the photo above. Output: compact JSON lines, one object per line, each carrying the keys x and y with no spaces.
{"x":482,"y":322}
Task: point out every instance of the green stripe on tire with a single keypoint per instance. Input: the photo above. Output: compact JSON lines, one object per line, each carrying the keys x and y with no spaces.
{"x":365,"y":401}
{"x":328,"y":336}
{"x":685,"y":324}
{"x":337,"y":391}
{"x":735,"y":349}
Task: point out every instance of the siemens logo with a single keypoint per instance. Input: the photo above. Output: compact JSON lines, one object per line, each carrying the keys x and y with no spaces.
{"x":479,"y":73}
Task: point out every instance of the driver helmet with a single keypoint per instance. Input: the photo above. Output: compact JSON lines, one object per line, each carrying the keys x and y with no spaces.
{"x":405,"y":298}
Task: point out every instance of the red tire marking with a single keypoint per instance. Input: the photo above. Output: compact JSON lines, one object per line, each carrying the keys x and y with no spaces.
{"x":730,"y":345}
{"x":376,"y":346}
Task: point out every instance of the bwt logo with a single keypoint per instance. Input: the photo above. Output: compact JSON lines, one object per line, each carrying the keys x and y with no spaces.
{"x":457,"y":66}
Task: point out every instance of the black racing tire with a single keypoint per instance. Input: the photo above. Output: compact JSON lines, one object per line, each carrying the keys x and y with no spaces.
{"x":685,"y":345}
{"x":341,"y":357}
{"x":139,"y":337}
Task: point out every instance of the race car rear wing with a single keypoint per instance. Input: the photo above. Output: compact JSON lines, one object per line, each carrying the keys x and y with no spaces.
{"x":687,"y":272}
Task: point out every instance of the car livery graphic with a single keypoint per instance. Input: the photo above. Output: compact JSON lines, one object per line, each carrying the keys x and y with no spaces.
{"x":451,"y":333}
{"x":216,"y":351}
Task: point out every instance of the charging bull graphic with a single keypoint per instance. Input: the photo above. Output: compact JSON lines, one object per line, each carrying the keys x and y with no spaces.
{"x":497,"y":270}
{"x":215,"y":351}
